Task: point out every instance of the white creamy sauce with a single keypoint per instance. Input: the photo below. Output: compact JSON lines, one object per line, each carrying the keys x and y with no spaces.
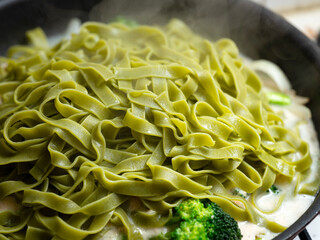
{"x":292,"y":207}
{"x":250,"y":231}
{"x":290,"y":210}
{"x":152,"y":232}
{"x":113,"y":233}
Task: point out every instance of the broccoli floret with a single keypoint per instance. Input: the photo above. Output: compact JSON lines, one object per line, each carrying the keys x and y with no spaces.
{"x":193,"y":209}
{"x":190,"y":230}
{"x":202,"y":220}
{"x":222,"y":226}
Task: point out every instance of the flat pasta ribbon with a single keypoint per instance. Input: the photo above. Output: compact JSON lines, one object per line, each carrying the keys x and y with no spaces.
{"x":148,"y":114}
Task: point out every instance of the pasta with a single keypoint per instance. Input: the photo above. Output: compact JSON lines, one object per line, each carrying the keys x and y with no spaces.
{"x":118,"y":114}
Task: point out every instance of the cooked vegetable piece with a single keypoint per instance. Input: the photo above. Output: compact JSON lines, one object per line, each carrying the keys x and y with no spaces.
{"x":274,"y":189}
{"x":196,"y":219}
{"x":126,"y":21}
{"x":278,"y":98}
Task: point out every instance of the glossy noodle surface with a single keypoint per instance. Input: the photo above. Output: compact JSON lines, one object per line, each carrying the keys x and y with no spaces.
{"x":150,"y":114}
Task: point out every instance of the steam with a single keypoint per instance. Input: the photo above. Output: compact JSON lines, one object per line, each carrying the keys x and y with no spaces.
{"x":206,"y":17}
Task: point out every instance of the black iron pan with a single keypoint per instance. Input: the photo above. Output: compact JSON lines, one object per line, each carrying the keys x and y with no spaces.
{"x":258,"y":32}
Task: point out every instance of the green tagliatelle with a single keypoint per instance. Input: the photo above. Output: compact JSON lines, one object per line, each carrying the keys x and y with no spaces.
{"x":117,"y":113}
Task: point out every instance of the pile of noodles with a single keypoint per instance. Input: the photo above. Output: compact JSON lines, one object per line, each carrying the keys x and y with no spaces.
{"x":117,"y":113}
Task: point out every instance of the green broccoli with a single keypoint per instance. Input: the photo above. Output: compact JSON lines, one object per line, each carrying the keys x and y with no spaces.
{"x":222,"y":226}
{"x":190,"y":230}
{"x":195,"y":219}
{"x":126,"y":21}
{"x":193,"y":209}
{"x":274,"y":189}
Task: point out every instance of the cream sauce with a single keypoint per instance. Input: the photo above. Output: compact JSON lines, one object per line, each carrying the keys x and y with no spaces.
{"x":292,"y":207}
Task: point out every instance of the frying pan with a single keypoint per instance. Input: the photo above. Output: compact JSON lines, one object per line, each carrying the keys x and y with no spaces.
{"x":258,"y":32}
